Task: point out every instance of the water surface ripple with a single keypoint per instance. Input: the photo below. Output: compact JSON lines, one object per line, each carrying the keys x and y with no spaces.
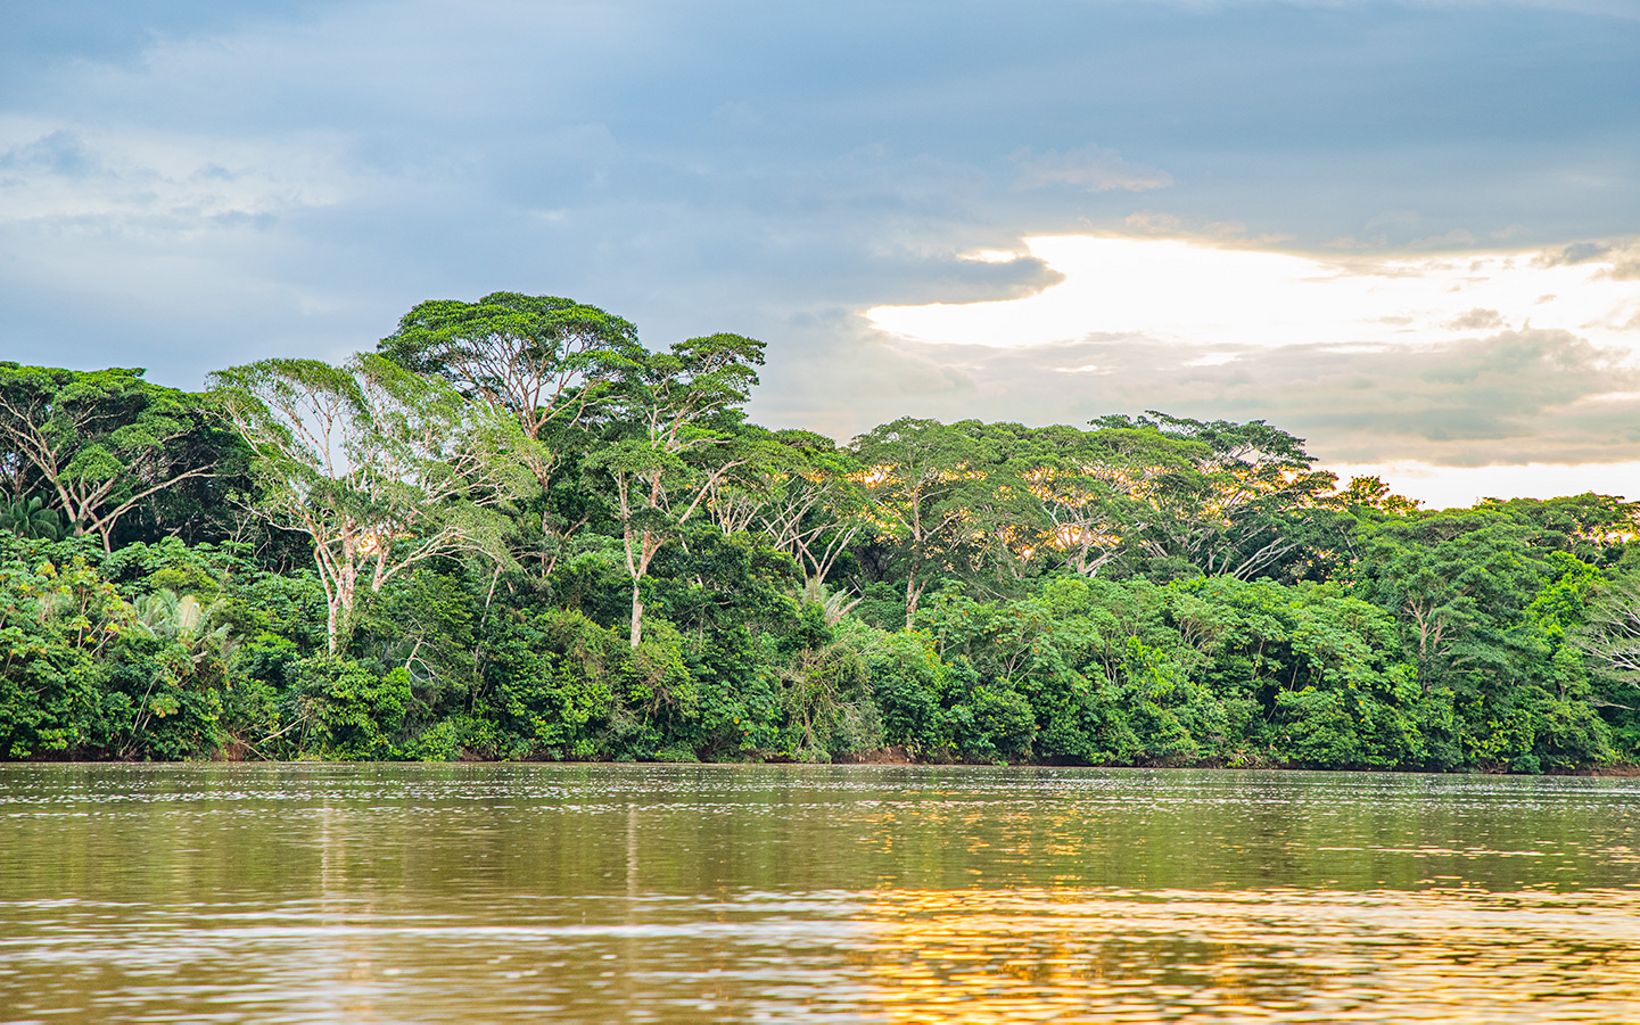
{"x":523,"y":893}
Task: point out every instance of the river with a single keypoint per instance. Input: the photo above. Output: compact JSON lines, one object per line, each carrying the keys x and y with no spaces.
{"x":524,"y":893}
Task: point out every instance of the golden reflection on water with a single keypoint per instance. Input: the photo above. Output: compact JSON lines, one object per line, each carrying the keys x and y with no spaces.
{"x":411,"y":894}
{"x":1446,"y":955}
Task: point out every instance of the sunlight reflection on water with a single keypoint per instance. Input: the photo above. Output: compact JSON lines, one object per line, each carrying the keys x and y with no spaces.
{"x":641,"y":893}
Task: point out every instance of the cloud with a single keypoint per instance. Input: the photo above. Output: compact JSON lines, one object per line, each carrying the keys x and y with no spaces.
{"x":59,"y":152}
{"x":115,"y":181}
{"x":1213,"y":293}
{"x":1445,"y":487}
{"x":1092,"y":168}
{"x":1164,"y":225}
{"x":1513,"y":398}
{"x":1621,"y":258}
{"x":1478,"y":319}
{"x":190,"y":184}
{"x":1374,"y":359}
{"x":1543,"y":396}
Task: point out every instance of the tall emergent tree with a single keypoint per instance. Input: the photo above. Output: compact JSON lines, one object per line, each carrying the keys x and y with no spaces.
{"x":542,"y":359}
{"x":97,"y":444}
{"x":1611,"y":639}
{"x":676,"y":420}
{"x":1250,"y":505}
{"x":547,"y":361}
{"x":1093,"y":492}
{"x":382,"y":468}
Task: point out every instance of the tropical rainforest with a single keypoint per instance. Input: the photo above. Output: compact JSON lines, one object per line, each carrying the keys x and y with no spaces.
{"x":512,"y":531}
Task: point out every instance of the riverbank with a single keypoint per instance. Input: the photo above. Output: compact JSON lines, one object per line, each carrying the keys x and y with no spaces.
{"x":884,"y":758}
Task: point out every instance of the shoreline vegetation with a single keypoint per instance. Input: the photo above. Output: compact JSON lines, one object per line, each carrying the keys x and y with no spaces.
{"x":857,"y":760}
{"x":512,"y":531}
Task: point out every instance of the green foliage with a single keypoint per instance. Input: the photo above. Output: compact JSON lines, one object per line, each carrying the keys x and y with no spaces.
{"x":58,"y":621}
{"x":537,"y":357}
{"x":31,"y":517}
{"x":827,"y":696}
{"x":349,"y":710}
{"x":547,"y":685}
{"x":905,"y":673}
{"x":382,"y":469}
{"x":97,"y":445}
{"x":512,"y":532}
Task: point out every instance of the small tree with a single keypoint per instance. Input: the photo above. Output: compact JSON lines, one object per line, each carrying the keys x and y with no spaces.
{"x":381,"y":468}
{"x":678,"y":413}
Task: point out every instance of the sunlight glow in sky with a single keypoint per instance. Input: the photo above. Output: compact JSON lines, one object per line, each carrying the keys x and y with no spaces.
{"x":1449,"y":487}
{"x":1221,"y":304}
{"x":1184,"y":291}
{"x":1405,"y":230}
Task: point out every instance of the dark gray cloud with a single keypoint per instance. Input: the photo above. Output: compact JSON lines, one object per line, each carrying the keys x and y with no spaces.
{"x":185,"y":184}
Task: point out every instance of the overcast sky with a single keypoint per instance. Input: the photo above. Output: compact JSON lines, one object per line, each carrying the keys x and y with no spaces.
{"x":1403,"y":229}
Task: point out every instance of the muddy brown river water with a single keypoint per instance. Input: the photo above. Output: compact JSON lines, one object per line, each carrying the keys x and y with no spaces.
{"x":598,"y":893}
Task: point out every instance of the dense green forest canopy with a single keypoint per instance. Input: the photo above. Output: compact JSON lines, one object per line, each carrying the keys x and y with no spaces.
{"x":512,"y":531}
